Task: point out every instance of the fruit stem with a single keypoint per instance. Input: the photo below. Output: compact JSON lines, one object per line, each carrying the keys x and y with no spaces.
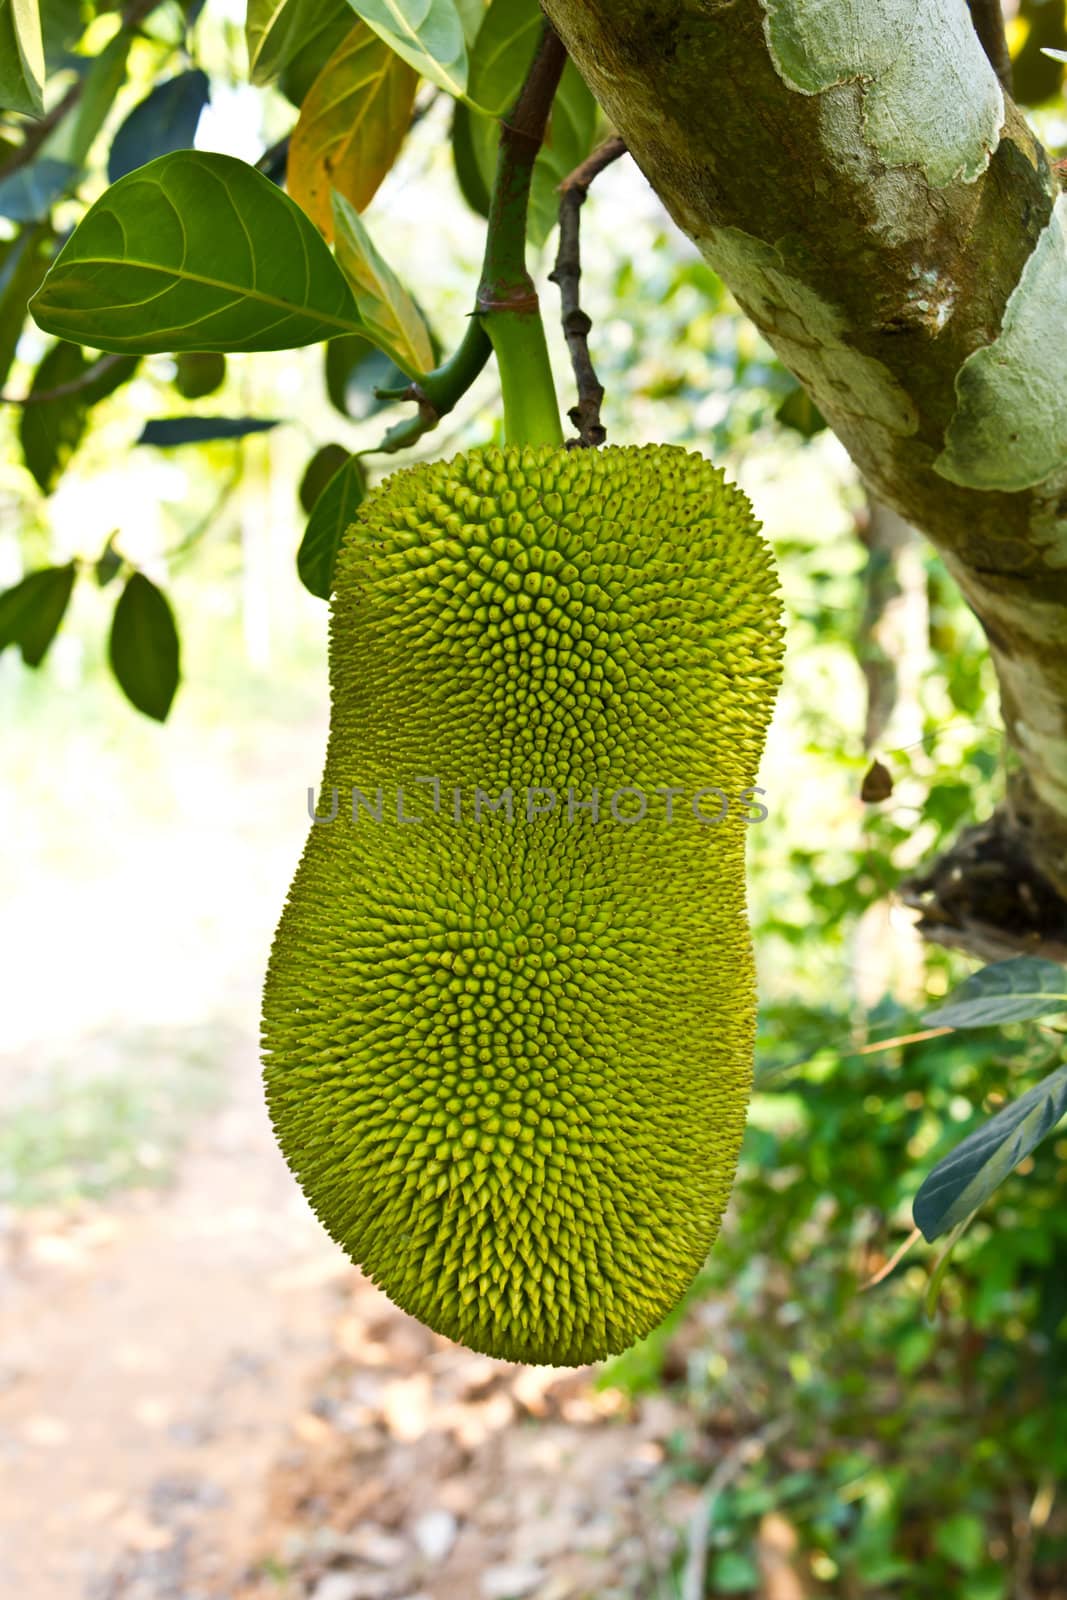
{"x":506,"y":303}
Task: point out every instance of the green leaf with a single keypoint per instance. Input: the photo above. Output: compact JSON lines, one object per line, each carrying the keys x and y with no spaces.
{"x":966,"y":1178}
{"x":323,"y":465}
{"x":108,"y":563}
{"x":334,"y":510}
{"x":165,"y":432}
{"x":51,"y":430}
{"x":321,"y":36}
{"x":23,"y":263}
{"x":799,"y":412}
{"x":471,"y":13}
{"x":31,"y":612}
{"x":354,"y":369}
{"x":390,"y":316}
{"x":62,"y":25}
{"x":351,"y":126}
{"x":278,"y":31}
{"x":1009,"y":991}
{"x":199,"y":373}
{"x":21,"y":57}
{"x":73,"y":138}
{"x":165,"y":120}
{"x":29,"y":194}
{"x":143,"y":649}
{"x":472,"y":184}
{"x":502,"y":52}
{"x":195,"y":252}
{"x":961,"y":1540}
{"x":428,"y":34}
{"x":501,"y":56}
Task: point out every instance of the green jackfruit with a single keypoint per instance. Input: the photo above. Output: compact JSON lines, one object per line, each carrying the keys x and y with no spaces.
{"x":509,"y":1058}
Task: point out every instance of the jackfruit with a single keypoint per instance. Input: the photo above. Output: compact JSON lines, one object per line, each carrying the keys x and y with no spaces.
{"x":508,"y":1056}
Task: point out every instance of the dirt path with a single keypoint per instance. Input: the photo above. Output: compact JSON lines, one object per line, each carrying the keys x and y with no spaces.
{"x":152,"y":1353}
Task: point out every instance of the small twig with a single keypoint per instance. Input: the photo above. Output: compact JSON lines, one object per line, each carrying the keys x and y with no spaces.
{"x":894,"y":1261}
{"x":61,"y":390}
{"x":38,"y":131}
{"x":566,"y":274}
{"x":731,"y":1465}
{"x":988,"y":19}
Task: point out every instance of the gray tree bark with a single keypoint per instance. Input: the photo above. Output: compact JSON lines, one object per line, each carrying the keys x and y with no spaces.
{"x":856,"y":174}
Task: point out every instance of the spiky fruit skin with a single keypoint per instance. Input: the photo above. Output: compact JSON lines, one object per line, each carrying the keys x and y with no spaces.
{"x":509,"y":1062}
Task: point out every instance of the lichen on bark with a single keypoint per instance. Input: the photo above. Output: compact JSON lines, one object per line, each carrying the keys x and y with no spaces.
{"x":930,"y":97}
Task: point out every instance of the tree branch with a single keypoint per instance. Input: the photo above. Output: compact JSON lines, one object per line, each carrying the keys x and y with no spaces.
{"x":61,"y":390}
{"x":567,"y":274}
{"x":876,"y":243}
{"x":988,"y":19}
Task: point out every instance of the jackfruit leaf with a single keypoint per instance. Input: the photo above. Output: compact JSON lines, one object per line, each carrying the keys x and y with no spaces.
{"x":30,"y":193}
{"x":354,"y":369}
{"x":165,"y":120}
{"x":195,"y":251}
{"x":198,"y":373}
{"x":51,"y":431}
{"x":1008,"y":991}
{"x":30,"y":613}
{"x":73,"y":137}
{"x":502,"y":53}
{"x":278,"y":31}
{"x":334,"y":510}
{"x":62,"y":25}
{"x":351,"y":126}
{"x":427,"y":34}
{"x":799,"y":412}
{"x":966,"y":1178}
{"x":472,"y":185}
{"x":143,"y":648}
{"x":471,"y":13}
{"x":390,"y":316}
{"x":323,"y":465}
{"x":21,"y":57}
{"x":319,"y":38}
{"x":108,"y":563}
{"x":164,"y":432}
{"x":23,"y":263}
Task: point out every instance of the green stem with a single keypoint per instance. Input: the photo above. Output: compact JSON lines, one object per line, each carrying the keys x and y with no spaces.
{"x":531,"y":410}
{"x":506,"y":305}
{"x":436,"y":392}
{"x":446,"y":384}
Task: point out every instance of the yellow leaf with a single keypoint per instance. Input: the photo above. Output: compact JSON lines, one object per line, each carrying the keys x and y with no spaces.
{"x":391,"y":318}
{"x":351,"y":126}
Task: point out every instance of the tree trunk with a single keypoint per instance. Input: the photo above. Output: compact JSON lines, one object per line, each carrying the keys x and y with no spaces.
{"x":879,"y":208}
